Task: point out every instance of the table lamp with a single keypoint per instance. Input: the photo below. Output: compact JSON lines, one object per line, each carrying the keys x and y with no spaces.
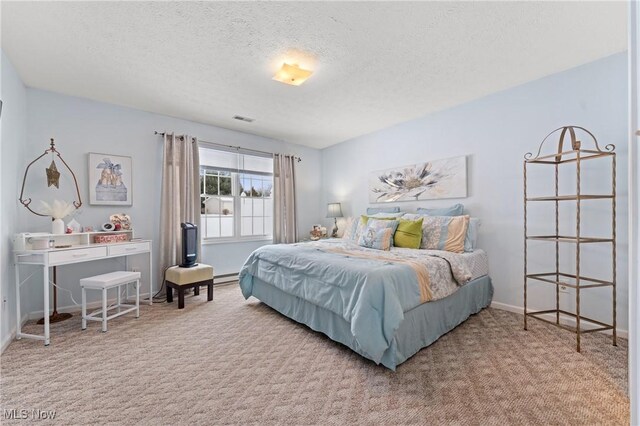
{"x":335,"y":211}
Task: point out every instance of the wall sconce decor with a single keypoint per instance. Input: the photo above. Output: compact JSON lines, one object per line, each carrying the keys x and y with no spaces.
{"x":53,"y":178}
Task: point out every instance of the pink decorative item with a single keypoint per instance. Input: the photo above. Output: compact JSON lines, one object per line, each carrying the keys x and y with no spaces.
{"x":123,"y":220}
{"x":110,"y":238}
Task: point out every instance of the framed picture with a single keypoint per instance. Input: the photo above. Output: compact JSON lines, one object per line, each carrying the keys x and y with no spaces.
{"x":445,"y":178}
{"x":110,"y":182}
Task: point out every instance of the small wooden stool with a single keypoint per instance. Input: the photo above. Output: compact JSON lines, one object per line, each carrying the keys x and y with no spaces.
{"x":181,"y":279}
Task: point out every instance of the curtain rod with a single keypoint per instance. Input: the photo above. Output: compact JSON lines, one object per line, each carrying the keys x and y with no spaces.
{"x":298,"y":159}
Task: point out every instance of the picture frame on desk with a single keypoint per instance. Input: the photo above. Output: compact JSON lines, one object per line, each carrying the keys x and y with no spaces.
{"x":110,"y":179}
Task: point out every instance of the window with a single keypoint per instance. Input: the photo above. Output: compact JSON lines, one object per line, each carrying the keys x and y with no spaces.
{"x":236,"y":195}
{"x":216,"y":203}
{"x":256,"y":204}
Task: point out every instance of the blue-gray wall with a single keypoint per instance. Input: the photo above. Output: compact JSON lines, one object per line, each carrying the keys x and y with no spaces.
{"x":81,"y":126}
{"x":495,"y":132}
{"x":13,"y":139}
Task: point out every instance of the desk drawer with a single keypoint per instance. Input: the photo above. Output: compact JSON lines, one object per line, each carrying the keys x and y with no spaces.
{"x":78,"y":255}
{"x":132,"y":248}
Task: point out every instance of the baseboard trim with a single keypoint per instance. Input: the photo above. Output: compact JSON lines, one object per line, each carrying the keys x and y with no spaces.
{"x":564,"y":320}
{"x":7,"y":341}
{"x":91,"y":305}
{"x":225,"y":278}
{"x":12,"y":336}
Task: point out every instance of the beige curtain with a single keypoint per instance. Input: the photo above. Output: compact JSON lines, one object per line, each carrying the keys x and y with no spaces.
{"x":180,"y":196}
{"x":285,"y":227}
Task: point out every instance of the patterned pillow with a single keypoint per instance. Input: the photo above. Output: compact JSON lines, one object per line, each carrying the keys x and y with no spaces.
{"x":357,"y":228}
{"x":444,"y":233}
{"x":470,"y":240}
{"x":382,"y":224}
{"x":350,"y":228}
{"x":376,"y":238}
{"x":361,"y":225}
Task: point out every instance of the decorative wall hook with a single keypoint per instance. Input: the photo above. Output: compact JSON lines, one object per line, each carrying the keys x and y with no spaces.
{"x":53,"y":178}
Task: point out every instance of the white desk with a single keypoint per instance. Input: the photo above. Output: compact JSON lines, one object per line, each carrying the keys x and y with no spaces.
{"x":67,"y":256}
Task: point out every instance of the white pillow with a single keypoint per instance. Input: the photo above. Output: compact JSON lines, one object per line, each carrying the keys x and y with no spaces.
{"x":350,"y":228}
{"x":412,"y":216}
{"x":385,"y":215}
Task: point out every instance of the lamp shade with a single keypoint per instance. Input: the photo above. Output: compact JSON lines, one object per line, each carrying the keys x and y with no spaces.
{"x":334,"y":210}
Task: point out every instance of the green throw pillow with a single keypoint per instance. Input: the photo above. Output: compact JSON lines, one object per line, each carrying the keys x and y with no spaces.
{"x":408,"y":234}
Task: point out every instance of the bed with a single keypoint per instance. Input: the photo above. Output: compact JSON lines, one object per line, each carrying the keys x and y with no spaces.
{"x":384,"y":305}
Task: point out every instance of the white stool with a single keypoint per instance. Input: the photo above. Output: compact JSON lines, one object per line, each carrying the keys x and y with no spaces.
{"x":104,"y":282}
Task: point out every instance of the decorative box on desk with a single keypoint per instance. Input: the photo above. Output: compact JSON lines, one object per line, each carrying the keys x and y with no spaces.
{"x":110,"y":238}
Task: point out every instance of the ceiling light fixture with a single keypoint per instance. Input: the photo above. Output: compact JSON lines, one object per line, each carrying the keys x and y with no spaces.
{"x":292,"y":74}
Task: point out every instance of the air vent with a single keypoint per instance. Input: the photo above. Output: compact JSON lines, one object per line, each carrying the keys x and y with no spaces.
{"x":241,"y":118}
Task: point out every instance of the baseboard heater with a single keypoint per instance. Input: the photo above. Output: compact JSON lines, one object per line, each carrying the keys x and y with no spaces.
{"x":225,"y":278}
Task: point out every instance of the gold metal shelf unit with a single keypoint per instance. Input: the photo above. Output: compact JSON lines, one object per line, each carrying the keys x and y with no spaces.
{"x":568,"y":239}
{"x":575,"y":155}
{"x":571,"y":197}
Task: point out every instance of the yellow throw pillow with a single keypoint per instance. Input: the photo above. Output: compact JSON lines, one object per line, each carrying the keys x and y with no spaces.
{"x":408,"y":234}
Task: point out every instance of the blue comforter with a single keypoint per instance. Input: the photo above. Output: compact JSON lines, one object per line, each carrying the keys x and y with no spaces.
{"x":370,"y":293}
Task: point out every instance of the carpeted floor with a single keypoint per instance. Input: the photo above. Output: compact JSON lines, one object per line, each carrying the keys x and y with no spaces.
{"x":232,"y":361}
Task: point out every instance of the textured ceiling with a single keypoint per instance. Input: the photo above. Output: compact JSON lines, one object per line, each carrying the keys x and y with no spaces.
{"x":375,"y":64}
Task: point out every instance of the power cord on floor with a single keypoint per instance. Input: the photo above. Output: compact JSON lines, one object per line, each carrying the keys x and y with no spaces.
{"x":123,"y":293}
{"x":26,"y":279}
{"x":75,"y":302}
{"x":164,"y":279}
{"x":68,"y":291}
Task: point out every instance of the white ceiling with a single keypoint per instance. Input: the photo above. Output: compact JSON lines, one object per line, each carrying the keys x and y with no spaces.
{"x":376,"y":63}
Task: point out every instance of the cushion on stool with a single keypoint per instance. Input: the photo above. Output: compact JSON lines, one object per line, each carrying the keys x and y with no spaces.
{"x":183,"y":276}
{"x":109,"y":280}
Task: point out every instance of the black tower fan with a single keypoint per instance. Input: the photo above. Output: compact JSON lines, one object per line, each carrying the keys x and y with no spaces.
{"x":189,"y":245}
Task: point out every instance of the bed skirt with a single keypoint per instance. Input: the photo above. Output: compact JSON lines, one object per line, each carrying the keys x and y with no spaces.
{"x":421,"y":326}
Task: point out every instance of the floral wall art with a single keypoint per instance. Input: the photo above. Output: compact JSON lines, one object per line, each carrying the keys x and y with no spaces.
{"x":446,"y":178}
{"x":110,"y":180}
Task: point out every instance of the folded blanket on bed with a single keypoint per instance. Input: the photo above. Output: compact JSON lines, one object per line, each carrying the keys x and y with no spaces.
{"x":422,"y":273}
{"x":370,"y":289}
